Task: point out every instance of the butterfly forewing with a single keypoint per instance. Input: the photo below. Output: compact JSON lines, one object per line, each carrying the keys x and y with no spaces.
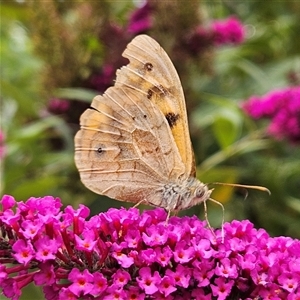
{"x":151,"y":74}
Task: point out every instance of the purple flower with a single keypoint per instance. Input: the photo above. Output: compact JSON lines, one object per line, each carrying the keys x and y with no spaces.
{"x":102,"y":79}
{"x":100,"y":284}
{"x":163,"y":255}
{"x":282,"y":107}
{"x":148,"y":282}
{"x":183,"y":252}
{"x":182,"y":275}
{"x":155,"y":235}
{"x":219,"y":32}
{"x":289,"y":281}
{"x":199,"y":40}
{"x":140,"y":20}
{"x":229,"y":31}
{"x":46,"y":249}
{"x":46,"y":275}
{"x":122,"y":254}
{"x":222,"y":288}
{"x":121,"y":278}
{"x":7,"y":202}
{"x":167,"y":285}
{"x":82,"y":282}
{"x":226,"y":269}
{"x":58,"y":106}
{"x":24,"y":251}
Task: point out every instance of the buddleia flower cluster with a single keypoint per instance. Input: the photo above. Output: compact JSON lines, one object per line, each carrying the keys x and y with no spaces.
{"x":282,"y":108}
{"x":125,"y":254}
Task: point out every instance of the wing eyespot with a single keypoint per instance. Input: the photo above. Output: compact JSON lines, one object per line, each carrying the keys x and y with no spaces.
{"x":100,"y":150}
{"x":149,"y":94}
{"x":172,"y":119}
{"x":148,"y":66}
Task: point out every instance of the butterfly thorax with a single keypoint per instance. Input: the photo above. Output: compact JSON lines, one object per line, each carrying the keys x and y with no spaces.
{"x":178,"y":196}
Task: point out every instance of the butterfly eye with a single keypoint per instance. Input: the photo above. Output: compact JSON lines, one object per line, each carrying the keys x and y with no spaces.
{"x":148,"y":66}
{"x":200,"y":192}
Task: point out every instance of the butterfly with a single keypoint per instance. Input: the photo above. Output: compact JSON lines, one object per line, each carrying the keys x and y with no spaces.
{"x":134,"y":143}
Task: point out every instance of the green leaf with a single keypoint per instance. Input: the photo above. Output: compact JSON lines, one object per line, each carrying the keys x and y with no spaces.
{"x":81,"y":94}
{"x":227,"y":127}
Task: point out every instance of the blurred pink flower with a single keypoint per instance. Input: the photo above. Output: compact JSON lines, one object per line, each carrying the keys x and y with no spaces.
{"x":282,"y":107}
{"x":58,"y":106}
{"x":102,"y":80}
{"x":228,"y":31}
{"x":140,"y":20}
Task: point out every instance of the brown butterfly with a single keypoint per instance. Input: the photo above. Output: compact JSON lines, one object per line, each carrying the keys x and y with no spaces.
{"x":134,"y":143}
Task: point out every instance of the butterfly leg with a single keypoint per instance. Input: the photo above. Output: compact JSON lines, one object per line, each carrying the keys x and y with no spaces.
{"x":139,"y":203}
{"x":223,"y":216}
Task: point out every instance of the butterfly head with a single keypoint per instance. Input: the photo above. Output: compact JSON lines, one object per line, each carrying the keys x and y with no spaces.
{"x":195,"y":192}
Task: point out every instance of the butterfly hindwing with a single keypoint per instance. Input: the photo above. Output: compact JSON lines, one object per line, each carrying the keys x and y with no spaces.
{"x":125,"y":148}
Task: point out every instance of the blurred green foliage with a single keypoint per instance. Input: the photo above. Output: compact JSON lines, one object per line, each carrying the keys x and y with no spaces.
{"x":50,"y":49}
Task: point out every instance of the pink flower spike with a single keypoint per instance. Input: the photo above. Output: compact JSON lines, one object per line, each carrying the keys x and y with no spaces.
{"x":282,"y":107}
{"x":23,"y":252}
{"x":147,"y":282}
{"x":229,"y":31}
{"x":82,"y":282}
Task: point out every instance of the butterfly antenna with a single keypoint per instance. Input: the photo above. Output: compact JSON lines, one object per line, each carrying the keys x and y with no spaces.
{"x":253,"y":187}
